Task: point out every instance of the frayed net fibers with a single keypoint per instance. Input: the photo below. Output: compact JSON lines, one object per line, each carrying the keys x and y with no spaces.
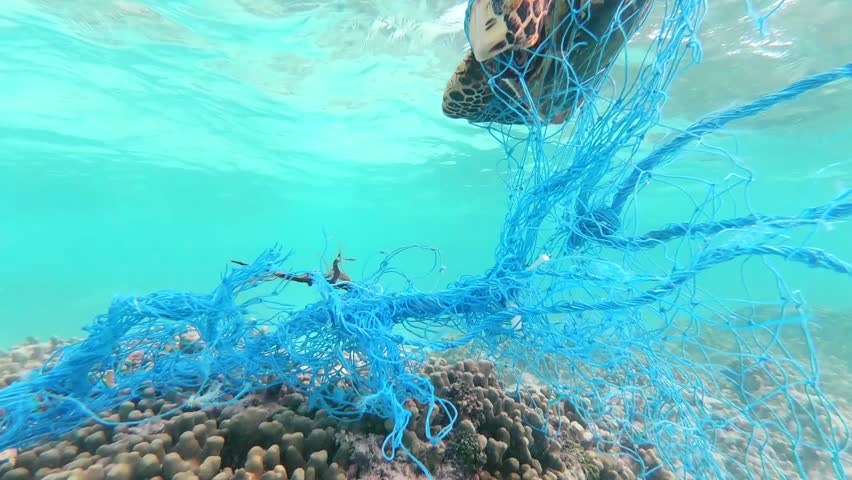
{"x":615,"y":319}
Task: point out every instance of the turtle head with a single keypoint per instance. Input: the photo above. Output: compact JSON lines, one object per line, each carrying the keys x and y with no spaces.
{"x":495,"y":26}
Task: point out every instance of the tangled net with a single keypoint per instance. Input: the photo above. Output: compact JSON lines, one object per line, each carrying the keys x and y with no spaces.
{"x":617,"y":322}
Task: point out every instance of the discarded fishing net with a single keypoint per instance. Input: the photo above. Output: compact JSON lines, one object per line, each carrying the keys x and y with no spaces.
{"x":615,"y":317}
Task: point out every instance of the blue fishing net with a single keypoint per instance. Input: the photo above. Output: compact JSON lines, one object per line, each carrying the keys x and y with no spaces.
{"x":614,"y":316}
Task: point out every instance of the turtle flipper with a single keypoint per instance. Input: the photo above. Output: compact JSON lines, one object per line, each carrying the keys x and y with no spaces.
{"x":467,"y":94}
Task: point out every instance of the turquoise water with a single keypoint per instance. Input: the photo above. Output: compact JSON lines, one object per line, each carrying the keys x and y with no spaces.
{"x":147,"y":143}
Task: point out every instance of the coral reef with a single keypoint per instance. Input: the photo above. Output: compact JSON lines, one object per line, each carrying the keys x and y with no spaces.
{"x":277,"y":436}
{"x":26,"y":357}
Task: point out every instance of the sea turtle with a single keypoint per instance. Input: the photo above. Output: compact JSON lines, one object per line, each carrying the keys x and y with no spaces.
{"x":534,"y":36}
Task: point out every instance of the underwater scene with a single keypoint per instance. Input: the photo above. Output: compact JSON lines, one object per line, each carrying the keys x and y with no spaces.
{"x":425,"y":239}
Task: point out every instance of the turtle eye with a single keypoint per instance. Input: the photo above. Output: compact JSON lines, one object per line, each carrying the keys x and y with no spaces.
{"x":520,"y":58}
{"x":535,"y":62}
{"x":526,"y":61}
